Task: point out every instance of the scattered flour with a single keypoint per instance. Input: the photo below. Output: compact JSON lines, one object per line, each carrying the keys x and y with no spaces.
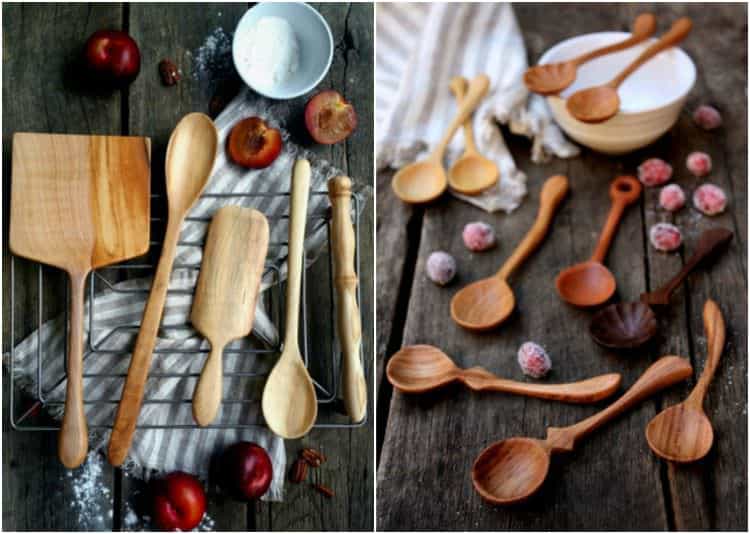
{"x":213,"y":59}
{"x":90,"y":494}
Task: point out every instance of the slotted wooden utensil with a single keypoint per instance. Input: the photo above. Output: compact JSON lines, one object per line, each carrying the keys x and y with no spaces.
{"x":79,"y":203}
{"x":225,"y":296}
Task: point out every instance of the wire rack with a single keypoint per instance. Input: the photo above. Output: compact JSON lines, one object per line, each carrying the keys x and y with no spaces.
{"x":325,"y":374}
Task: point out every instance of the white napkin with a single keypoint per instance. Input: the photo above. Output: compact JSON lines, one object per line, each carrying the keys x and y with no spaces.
{"x":420,"y":47}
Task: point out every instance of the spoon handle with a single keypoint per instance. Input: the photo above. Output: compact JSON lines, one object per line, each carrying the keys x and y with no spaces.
{"x":624,"y":190}
{"x":713,"y":324}
{"x":477,"y":89}
{"x":207,"y":394}
{"x":300,"y":190}
{"x":663,"y":373}
{"x":581,"y":392}
{"x":553,"y":192}
{"x":458,"y":86}
{"x":676,"y":34}
{"x":645,"y":23}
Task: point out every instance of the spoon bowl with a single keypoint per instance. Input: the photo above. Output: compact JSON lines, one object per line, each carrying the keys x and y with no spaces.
{"x":624,"y":325}
{"x":420,"y":182}
{"x":483,"y":305}
{"x":421,"y":368}
{"x":472,"y":174}
{"x":586,"y":284}
{"x":680,"y":433}
{"x":595,"y":104}
{"x":289,"y":401}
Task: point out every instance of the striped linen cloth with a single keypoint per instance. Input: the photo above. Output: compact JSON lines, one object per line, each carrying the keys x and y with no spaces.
{"x":189,"y":449}
{"x":420,"y":46}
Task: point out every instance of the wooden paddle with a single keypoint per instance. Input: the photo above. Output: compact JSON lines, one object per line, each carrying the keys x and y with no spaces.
{"x":79,"y":203}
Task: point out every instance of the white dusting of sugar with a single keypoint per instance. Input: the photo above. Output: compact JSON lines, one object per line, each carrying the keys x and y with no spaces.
{"x":268,"y":52}
{"x":90,"y":493}
{"x":213,"y":59}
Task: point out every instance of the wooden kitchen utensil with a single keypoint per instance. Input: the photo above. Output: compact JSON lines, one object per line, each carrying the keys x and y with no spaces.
{"x":590,"y":283}
{"x":190,"y":158}
{"x":627,"y":325}
{"x":289,"y":402}
{"x":225,"y":296}
{"x":599,"y":103}
{"x":486,"y":303}
{"x":348,"y":322}
{"x":423,"y":368}
{"x":472,"y":173}
{"x":509,"y":471}
{"x":79,"y":203}
{"x":683,"y":433}
{"x":424,"y":181}
{"x":552,"y":78}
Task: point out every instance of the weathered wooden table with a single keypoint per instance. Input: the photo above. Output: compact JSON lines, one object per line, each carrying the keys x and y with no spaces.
{"x":426,"y":444}
{"x":40,"y":93}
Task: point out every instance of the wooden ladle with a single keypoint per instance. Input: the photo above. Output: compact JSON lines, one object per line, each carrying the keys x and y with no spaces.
{"x":683,"y":433}
{"x":486,"y":303}
{"x":422,"y":368}
{"x":289,"y":402}
{"x":190,"y":159}
{"x":424,"y":181}
{"x":472,"y":173}
{"x":599,"y":103}
{"x":511,"y":470}
{"x":552,"y":78}
{"x":590,"y":283}
{"x":627,"y":325}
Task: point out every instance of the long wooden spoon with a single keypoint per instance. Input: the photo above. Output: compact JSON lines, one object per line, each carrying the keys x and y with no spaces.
{"x":486,"y":303}
{"x":683,"y":433}
{"x":599,"y":103}
{"x":472,"y":173}
{"x":422,"y":368}
{"x":511,"y":470}
{"x":289,"y":403}
{"x":190,"y":158}
{"x":590,"y":283}
{"x":424,"y":181}
{"x":552,"y":78}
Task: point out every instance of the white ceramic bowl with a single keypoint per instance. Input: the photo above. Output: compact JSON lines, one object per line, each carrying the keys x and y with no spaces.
{"x":313,"y":38}
{"x":651,"y":98}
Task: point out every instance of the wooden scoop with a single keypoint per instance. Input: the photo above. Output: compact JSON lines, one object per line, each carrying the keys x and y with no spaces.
{"x":552,"y":78}
{"x":627,"y":325}
{"x":289,"y":402}
{"x":487,"y":303}
{"x":190,"y":158}
{"x":226,"y":294}
{"x":424,"y":181}
{"x":683,"y":433}
{"x":79,"y":203}
{"x":472,"y":173}
{"x":422,"y":368}
{"x":590,"y":283}
{"x":599,"y":103}
{"x":511,"y":470}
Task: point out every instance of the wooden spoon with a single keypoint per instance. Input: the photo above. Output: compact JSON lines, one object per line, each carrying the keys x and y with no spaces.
{"x":511,"y":470}
{"x":226,"y":294}
{"x":472,"y":173}
{"x":424,"y":181}
{"x":590,"y":283}
{"x":552,"y":78}
{"x":422,"y":368}
{"x":487,"y":303}
{"x":683,"y":433}
{"x":627,"y":325}
{"x":289,"y":402}
{"x":599,"y":103}
{"x":190,"y":158}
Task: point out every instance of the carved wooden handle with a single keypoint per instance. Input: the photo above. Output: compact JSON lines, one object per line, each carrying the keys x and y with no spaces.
{"x":477,"y":89}
{"x":623,"y":191}
{"x":713,"y":324}
{"x":348,"y":320}
{"x":207,"y":394}
{"x":458,"y":86}
{"x":644,"y":27}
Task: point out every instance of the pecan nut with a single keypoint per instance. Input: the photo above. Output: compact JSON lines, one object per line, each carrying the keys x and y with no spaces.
{"x":169,"y":73}
{"x":298,"y":472}
{"x":325,"y":490}
{"x":313,"y":457}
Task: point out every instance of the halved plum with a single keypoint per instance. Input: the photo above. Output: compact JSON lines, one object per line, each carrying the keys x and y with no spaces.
{"x":254,"y":144}
{"x":329,"y":118}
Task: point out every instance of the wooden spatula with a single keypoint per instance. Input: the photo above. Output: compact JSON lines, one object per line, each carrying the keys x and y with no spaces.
{"x":79,"y":203}
{"x":225,"y":297}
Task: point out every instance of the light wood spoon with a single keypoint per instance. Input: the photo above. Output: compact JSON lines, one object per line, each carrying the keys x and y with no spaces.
{"x":472,"y":173}
{"x":190,"y":158}
{"x":552,"y":78}
{"x":599,"y":103}
{"x":511,"y":470}
{"x":683,"y":433}
{"x":424,"y":181}
{"x":422,"y":368}
{"x":486,"y":303}
{"x":289,"y":402}
{"x":226,"y":294}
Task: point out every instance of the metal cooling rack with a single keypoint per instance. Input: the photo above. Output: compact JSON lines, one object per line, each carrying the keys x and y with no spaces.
{"x":326,"y":386}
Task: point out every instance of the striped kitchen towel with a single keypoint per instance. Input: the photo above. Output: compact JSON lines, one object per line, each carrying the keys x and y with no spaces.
{"x":122,"y":304}
{"x":420,"y":46}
